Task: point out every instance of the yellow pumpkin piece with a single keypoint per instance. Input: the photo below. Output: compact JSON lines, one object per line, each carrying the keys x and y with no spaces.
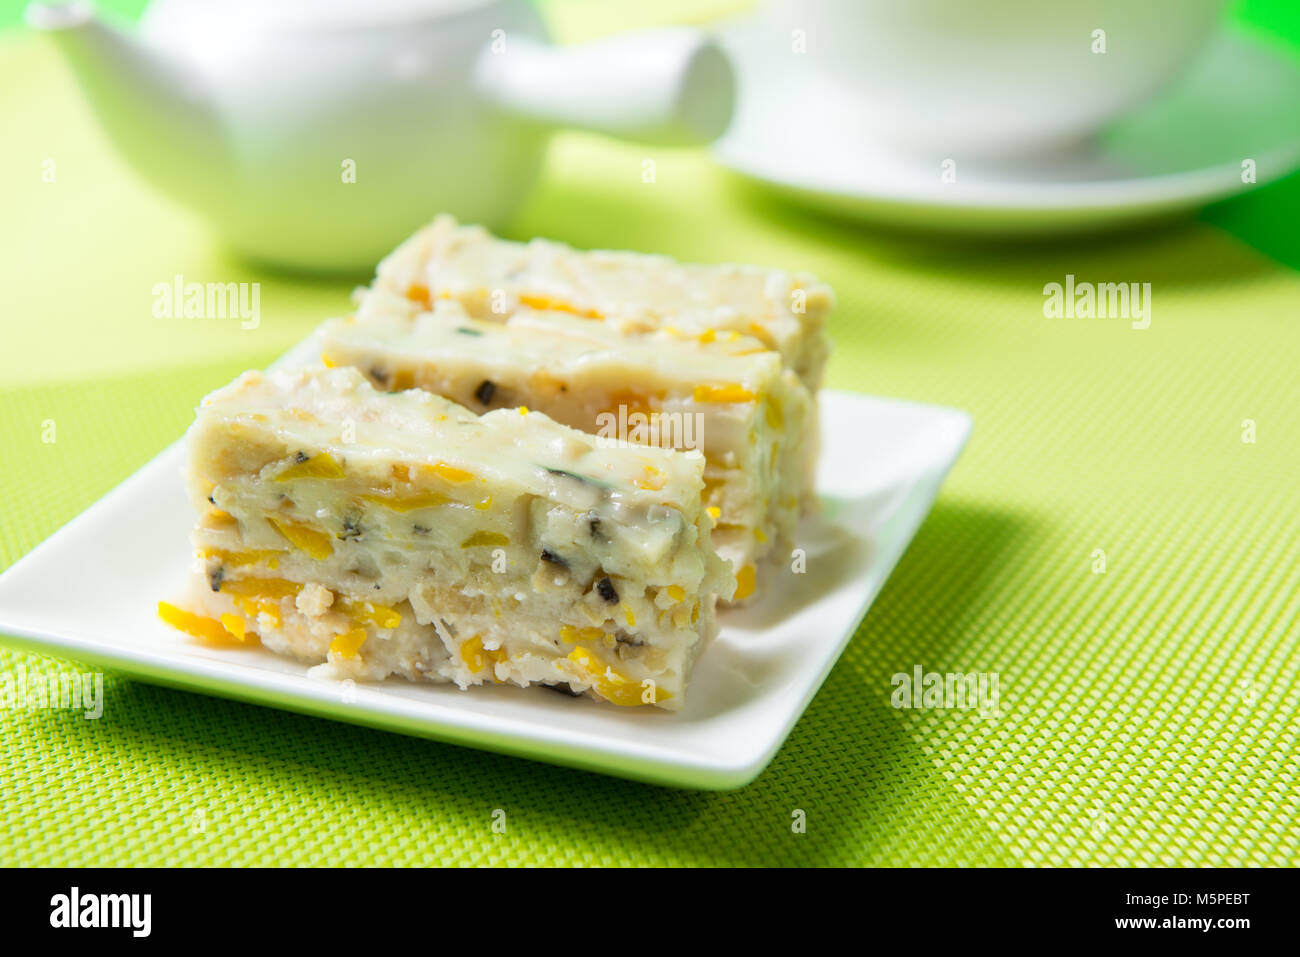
{"x":244,"y":558}
{"x":653,"y":481}
{"x":270,"y":589}
{"x":546,"y":303}
{"x":348,"y":644}
{"x":199,"y":626}
{"x":381,"y":616}
{"x":233,"y":624}
{"x":627,"y":614}
{"x":723,"y":393}
{"x":408,"y":503}
{"x":310,"y":541}
{"x":207,"y":630}
{"x":708,"y":335}
{"x":587,"y":662}
{"x":610,"y":684}
{"x":256,"y":607}
{"x":471,"y":652}
{"x":450,"y":472}
{"x":477,"y":658}
{"x":320,"y":466}
{"x":715,"y":513}
{"x":571,"y":635}
{"x":419,"y":292}
{"x":484,"y":504}
{"x":745,"y":579}
{"x":485,"y":538}
{"x":217,"y":520}
{"x":676,"y":592}
{"x":327,"y":362}
{"x":261,"y":596}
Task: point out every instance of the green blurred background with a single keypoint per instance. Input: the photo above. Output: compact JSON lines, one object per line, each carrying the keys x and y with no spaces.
{"x":1150,"y":714}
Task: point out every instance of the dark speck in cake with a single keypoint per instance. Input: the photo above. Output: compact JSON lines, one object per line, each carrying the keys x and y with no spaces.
{"x":606,"y":589}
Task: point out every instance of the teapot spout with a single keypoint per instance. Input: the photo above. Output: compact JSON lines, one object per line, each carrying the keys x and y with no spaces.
{"x":155,"y":112}
{"x":670,"y":87}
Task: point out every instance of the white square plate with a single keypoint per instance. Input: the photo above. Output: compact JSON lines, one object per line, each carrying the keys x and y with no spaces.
{"x":881,"y":466}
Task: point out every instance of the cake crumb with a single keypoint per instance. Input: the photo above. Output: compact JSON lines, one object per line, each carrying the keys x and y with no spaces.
{"x":314,"y":600}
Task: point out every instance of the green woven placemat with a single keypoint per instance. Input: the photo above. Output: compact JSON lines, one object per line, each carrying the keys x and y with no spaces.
{"x":1149,"y":713}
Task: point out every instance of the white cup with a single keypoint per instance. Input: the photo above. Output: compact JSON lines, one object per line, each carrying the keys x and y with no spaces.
{"x":990,"y":77}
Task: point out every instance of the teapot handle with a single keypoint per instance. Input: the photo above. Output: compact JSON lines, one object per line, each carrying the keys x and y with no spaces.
{"x":669,"y":87}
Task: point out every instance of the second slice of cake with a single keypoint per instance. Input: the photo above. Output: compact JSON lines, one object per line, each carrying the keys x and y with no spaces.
{"x":635,"y":292}
{"x":403,"y":534}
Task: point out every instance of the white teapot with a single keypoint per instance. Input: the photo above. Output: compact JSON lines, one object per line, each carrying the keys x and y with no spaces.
{"x":316,"y":134}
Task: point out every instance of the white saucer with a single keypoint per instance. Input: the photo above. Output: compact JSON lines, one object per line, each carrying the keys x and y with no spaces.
{"x":1184,"y":149}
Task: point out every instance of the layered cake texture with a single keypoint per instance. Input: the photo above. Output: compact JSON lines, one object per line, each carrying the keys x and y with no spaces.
{"x":401,"y":534}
